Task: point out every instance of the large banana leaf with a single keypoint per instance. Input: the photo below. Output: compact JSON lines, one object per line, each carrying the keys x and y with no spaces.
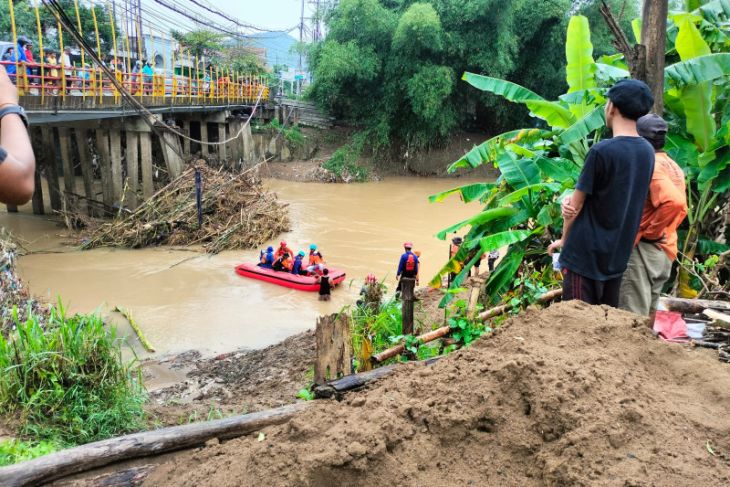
{"x":682,"y":151}
{"x":517,"y":195}
{"x":502,"y":239}
{"x":697,"y":101}
{"x":558,"y":169}
{"x":636,"y":28}
{"x":712,"y":171}
{"x":552,"y":112}
{"x":507,"y":89}
{"x":518,"y":172}
{"x":505,"y":272}
{"x":579,"y":54}
{"x":699,"y":70}
{"x":487,"y":151}
{"x":715,"y":11}
{"x":689,"y":42}
{"x":468,"y":193}
{"x":607,"y":73}
{"x":583,"y":127}
{"x":483,"y":217}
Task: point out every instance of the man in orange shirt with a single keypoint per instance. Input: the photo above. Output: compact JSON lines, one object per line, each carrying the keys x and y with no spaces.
{"x":655,"y":247}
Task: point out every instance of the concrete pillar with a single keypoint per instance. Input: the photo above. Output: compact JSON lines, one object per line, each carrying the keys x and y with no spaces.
{"x":204,"y":148}
{"x":185,"y":126}
{"x":69,"y":181}
{"x":38,"y":195}
{"x":102,"y":150}
{"x":171,"y":153}
{"x":131,"y":157}
{"x":248,"y":144}
{"x":87,"y":170}
{"x":145,"y":159}
{"x":51,"y":168}
{"x":222,"y":154}
{"x":115,"y":142}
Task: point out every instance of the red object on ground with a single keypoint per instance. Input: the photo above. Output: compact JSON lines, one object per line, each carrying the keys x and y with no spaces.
{"x":670,"y":326}
{"x":287,"y":279}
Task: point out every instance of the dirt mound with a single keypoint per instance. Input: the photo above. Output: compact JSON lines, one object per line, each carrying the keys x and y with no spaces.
{"x":570,"y":395}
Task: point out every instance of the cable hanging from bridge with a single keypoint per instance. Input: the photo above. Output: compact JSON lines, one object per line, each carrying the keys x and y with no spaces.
{"x":62,"y":18}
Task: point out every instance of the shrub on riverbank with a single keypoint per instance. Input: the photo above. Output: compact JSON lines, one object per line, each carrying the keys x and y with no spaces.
{"x":67,"y":382}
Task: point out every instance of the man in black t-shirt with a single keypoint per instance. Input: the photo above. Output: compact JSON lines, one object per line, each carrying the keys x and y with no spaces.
{"x":609,"y":200}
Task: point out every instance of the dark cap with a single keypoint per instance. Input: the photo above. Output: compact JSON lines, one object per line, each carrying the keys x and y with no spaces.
{"x":632,"y":97}
{"x":653,"y":128}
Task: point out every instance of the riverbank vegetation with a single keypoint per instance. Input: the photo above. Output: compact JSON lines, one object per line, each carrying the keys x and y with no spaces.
{"x":393,"y":68}
{"x":538,"y":165}
{"x":64,"y":382}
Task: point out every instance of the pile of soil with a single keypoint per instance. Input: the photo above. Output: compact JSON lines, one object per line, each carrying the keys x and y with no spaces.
{"x":569,"y":395}
{"x":239,"y":382}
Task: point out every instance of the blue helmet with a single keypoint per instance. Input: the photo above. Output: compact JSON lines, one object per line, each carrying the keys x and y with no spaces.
{"x":301,"y":253}
{"x":270,"y":248}
{"x":312,"y":247}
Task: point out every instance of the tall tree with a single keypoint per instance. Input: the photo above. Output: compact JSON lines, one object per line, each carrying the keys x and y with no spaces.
{"x":654,"y":37}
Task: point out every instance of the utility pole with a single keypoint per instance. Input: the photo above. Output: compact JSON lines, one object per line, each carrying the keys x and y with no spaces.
{"x":301,"y":42}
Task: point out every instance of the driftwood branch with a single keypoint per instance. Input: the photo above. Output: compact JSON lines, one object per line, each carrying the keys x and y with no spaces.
{"x":719,"y":319}
{"x":93,"y":455}
{"x":504,"y":308}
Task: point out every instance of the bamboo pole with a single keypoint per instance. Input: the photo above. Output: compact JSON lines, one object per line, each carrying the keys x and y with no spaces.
{"x":100,"y":85}
{"x":142,"y":338}
{"x":83,"y":63}
{"x":120,"y":77}
{"x":41,"y":52}
{"x":14,"y":36}
{"x":94,"y":455}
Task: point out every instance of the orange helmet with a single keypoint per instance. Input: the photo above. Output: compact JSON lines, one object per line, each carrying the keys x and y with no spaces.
{"x":282,"y":244}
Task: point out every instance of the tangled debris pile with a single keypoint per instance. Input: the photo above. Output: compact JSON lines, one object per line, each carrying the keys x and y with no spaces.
{"x":14,"y":296}
{"x":237,"y":213}
{"x":568,"y":395}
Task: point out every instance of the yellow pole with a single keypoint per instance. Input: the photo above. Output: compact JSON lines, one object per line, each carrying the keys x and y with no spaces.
{"x":197,"y":80}
{"x":140,"y":40}
{"x":174,"y":79}
{"x":83,"y":62}
{"x":98,"y":52}
{"x":129,"y":55}
{"x":41,"y":51}
{"x":63,"y":66}
{"x":110,"y":12}
{"x":15,"y":39}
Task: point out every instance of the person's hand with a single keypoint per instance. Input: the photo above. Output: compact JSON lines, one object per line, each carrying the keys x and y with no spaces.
{"x":557,"y":244}
{"x":8,"y":91}
{"x":568,"y":211}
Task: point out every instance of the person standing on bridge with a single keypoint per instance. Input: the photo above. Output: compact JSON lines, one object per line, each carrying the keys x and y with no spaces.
{"x":17,"y":161}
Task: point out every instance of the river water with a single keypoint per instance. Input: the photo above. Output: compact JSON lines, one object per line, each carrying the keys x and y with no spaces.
{"x":185,"y":299}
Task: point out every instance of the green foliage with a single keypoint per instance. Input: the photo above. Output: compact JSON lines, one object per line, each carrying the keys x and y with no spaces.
{"x":305,"y":395}
{"x":25,"y":24}
{"x":393,"y":66}
{"x":292,"y":134}
{"x":68,"y":381}
{"x":345,"y":162}
{"x":14,"y":451}
{"x":200,"y":43}
{"x":463,"y":329}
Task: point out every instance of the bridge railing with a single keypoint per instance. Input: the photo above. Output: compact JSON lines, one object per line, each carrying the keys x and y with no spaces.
{"x":48,"y":80}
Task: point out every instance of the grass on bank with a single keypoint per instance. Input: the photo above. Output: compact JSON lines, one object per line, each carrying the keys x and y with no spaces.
{"x":66,"y":383}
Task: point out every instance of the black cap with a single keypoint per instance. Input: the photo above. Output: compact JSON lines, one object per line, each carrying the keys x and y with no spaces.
{"x":653,"y":128}
{"x":632,"y":97}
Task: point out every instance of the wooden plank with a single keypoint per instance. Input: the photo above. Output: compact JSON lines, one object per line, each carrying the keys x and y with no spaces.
{"x":334,"y":348}
{"x":87,"y":170}
{"x":719,"y":319}
{"x":102,"y":150}
{"x":115,"y":153}
{"x":93,"y":455}
{"x":51,"y":167}
{"x":131,"y":157}
{"x":145,"y":160}
{"x":64,"y":143}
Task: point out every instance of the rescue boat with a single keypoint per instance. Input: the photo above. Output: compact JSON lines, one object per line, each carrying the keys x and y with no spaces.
{"x":287,"y":279}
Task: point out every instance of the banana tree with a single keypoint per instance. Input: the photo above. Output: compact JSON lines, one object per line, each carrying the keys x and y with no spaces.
{"x":538,"y":165}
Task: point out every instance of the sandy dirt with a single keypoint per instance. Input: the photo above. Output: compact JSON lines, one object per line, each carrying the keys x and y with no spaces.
{"x":570,"y":395}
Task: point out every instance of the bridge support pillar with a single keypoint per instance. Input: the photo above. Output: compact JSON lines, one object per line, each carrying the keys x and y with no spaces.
{"x":249,"y":149}
{"x":115,"y":173}
{"x":67,"y":163}
{"x":102,"y":150}
{"x":145,"y":156}
{"x":222,"y":154}
{"x":171,"y":153}
{"x":87,"y":171}
{"x":37,"y":201}
{"x":185,"y":128}
{"x":204,"y":148}
{"x":51,"y":168}
{"x":131,"y":157}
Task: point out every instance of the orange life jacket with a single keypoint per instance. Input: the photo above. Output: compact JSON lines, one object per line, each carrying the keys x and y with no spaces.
{"x":315,"y":258}
{"x":288,"y":263}
{"x":281,"y":251}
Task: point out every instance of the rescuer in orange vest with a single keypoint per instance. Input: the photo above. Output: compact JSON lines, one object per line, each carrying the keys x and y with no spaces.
{"x":283,"y":249}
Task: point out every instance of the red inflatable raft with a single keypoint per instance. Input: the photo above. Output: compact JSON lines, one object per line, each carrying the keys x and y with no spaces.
{"x":287,"y":279}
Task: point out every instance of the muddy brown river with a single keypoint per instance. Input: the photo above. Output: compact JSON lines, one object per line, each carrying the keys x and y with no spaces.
{"x":184,"y":299}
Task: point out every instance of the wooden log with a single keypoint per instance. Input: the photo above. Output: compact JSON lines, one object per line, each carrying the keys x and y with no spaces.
{"x":408,"y":298}
{"x":501,"y":309}
{"x":37,"y":201}
{"x":51,"y":168}
{"x":102,"y":149}
{"x":145,"y":160}
{"x":67,"y":163}
{"x":334,"y":348}
{"x":131,"y":157}
{"x":130,"y":477}
{"x":692,"y":306}
{"x":87,"y":170}
{"x":115,"y":156}
{"x":398,"y":349}
{"x":718,"y":319}
{"x":93,"y":455}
